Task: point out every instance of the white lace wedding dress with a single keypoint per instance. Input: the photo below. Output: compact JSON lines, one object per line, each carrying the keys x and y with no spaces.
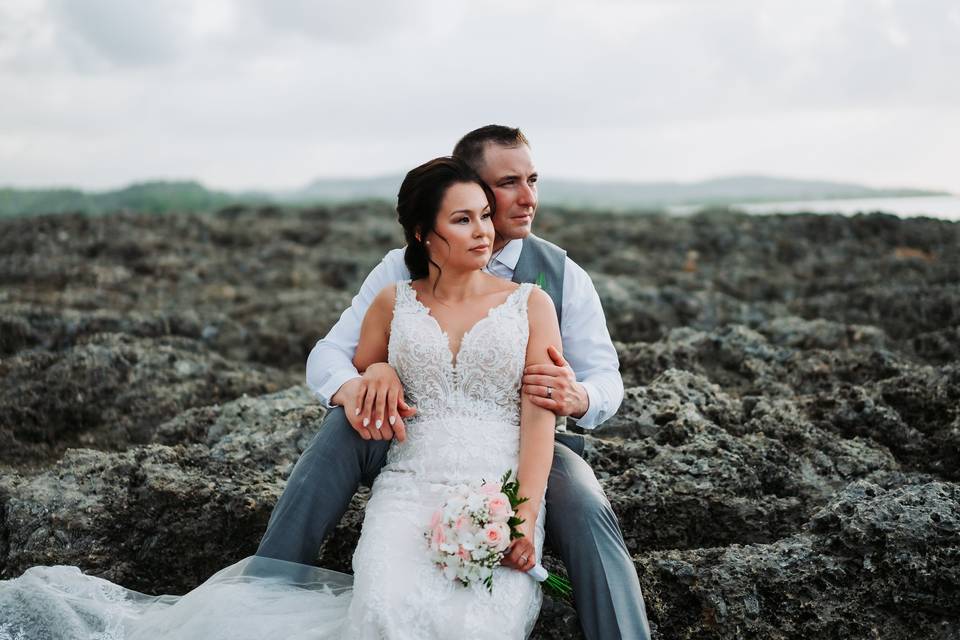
{"x":466,"y":429}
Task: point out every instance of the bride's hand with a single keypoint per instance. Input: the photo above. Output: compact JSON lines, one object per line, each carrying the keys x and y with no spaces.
{"x":522,"y":554}
{"x":375,"y":405}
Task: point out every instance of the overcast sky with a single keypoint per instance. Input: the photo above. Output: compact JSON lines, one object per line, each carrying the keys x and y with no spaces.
{"x":273,"y":93}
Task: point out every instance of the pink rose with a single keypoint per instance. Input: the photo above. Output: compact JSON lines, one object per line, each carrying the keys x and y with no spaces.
{"x":499,"y":507}
{"x":464,"y":554}
{"x":437,"y":518}
{"x":497,"y":535}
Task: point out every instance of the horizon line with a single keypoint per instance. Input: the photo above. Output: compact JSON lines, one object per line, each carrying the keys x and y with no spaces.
{"x":383,"y":176}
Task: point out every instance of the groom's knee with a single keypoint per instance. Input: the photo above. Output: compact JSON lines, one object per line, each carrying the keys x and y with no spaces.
{"x":330,"y":448}
{"x":589,"y":506}
{"x":574,"y":492}
{"x":334,"y":423}
{"x":338,"y":447}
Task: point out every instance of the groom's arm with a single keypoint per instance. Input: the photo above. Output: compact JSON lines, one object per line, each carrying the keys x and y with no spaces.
{"x":588,"y":348}
{"x":330,"y":363}
{"x":585,"y":380}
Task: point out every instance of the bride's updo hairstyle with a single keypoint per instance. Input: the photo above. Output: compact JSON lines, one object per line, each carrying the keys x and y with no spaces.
{"x":418,"y":204}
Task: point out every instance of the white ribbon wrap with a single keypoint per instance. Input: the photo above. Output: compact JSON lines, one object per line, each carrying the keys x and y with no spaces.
{"x":538,"y":573}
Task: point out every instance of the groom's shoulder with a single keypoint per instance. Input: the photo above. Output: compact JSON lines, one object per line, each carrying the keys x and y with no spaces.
{"x":579,"y":280}
{"x":570,"y":266}
{"x":395,"y":263}
{"x":546,"y":245}
{"x":394,"y":255}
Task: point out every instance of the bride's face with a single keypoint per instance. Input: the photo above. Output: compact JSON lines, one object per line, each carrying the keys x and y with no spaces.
{"x":463,"y":234}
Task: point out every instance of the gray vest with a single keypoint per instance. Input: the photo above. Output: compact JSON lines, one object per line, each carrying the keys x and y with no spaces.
{"x":542,"y":263}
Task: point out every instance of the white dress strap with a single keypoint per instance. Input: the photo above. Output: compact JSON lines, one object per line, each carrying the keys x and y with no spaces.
{"x":525,"y":289}
{"x":520,"y":298}
{"x":406,"y":297}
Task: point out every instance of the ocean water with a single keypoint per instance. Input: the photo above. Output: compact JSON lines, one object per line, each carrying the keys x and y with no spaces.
{"x":943,"y":207}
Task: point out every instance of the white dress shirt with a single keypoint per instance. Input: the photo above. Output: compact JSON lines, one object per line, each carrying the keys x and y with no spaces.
{"x":586,"y":341}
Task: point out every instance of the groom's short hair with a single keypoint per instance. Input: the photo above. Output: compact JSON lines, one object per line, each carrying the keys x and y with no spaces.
{"x":471,"y":146}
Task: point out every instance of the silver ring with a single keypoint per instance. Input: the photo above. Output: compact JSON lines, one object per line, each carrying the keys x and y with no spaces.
{"x":550,"y":393}
{"x":523,"y":559}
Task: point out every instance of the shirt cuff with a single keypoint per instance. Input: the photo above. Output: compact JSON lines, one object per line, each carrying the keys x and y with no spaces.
{"x":333,"y":384}
{"x":594,"y":416}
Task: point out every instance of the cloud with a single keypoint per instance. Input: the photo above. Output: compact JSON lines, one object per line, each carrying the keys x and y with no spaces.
{"x":343,"y":22}
{"x":122,"y":33}
{"x":352,"y":88}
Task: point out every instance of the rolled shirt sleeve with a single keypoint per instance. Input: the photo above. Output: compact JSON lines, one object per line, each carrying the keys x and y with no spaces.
{"x":588,"y":348}
{"x":330,"y":363}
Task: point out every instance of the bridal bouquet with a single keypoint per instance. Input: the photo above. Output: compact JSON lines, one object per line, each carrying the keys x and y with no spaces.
{"x":470,"y":534}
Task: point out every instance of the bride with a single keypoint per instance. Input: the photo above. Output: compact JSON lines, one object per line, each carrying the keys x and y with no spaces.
{"x":459,"y":339}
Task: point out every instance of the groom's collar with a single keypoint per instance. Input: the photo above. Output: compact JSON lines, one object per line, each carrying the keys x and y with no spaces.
{"x":509,"y":255}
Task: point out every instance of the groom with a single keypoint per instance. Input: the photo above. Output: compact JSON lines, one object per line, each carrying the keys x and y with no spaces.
{"x":585,"y":383}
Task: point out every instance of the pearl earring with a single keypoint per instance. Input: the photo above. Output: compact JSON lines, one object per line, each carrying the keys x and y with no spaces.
{"x":427,"y":243}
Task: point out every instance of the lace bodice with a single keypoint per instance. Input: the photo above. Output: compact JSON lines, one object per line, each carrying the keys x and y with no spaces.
{"x":484,"y":382}
{"x":468,"y":410}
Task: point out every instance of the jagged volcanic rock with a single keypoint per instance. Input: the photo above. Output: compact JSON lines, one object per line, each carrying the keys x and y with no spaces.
{"x":785,"y":463}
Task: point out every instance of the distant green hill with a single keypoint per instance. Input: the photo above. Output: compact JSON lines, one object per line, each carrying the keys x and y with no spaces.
{"x":165,"y":196}
{"x":146,"y":197}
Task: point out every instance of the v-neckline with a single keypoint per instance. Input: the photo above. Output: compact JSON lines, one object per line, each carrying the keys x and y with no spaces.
{"x":454,"y":357}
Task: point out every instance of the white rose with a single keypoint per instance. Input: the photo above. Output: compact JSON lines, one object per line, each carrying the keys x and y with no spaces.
{"x":476,"y":502}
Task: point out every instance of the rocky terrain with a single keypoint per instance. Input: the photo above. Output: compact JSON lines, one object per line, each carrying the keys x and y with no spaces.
{"x":786,"y":462}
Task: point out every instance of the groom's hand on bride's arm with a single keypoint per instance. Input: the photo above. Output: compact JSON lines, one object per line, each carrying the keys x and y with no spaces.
{"x":374,"y":403}
{"x":555,"y":387}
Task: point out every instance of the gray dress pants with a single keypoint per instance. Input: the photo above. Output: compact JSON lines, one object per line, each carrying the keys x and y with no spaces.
{"x":581,"y":527}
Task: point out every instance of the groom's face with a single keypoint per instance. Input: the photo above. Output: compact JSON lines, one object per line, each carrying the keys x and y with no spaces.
{"x":510,"y":173}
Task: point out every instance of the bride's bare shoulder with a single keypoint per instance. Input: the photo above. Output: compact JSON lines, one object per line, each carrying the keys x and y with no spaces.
{"x":540,"y":308}
{"x":540,"y":297}
{"x":385,"y":299}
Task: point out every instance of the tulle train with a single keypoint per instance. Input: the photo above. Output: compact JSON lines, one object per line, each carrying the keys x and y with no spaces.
{"x":253,"y":599}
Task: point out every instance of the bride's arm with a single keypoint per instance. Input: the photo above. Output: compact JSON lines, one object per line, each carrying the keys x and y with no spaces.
{"x":375,"y":330}
{"x":536,"y":423}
